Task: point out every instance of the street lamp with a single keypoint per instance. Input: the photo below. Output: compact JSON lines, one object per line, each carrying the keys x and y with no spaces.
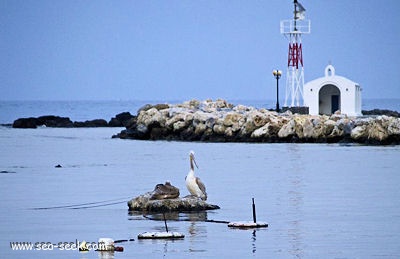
{"x":277,"y":74}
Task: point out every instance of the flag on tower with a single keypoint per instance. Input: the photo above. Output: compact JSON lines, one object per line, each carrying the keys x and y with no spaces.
{"x":300,"y":11}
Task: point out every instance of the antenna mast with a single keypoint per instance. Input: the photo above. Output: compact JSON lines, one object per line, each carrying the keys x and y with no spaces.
{"x":293,"y":30}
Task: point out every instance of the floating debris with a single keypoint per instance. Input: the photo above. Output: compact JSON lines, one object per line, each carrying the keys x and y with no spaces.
{"x":161,"y":235}
{"x":247,"y":224}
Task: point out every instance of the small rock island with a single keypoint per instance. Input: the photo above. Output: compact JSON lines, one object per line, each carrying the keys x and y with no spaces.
{"x":165,"y":198}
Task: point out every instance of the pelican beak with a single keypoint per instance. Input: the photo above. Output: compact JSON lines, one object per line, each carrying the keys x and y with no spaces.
{"x":194,"y":160}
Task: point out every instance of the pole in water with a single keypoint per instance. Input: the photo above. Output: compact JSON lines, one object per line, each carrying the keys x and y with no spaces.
{"x":165,"y":222}
{"x":254,"y":212}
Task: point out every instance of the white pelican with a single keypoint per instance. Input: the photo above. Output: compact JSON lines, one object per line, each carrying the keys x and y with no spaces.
{"x":194,"y":184}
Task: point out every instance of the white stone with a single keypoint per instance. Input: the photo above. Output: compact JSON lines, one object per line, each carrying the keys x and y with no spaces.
{"x":287,"y":129}
{"x":261,"y":132}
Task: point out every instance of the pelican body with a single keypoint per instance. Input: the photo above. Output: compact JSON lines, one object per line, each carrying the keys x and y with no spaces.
{"x":194,"y":184}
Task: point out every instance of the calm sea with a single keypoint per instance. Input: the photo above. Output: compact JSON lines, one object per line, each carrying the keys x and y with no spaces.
{"x":321,"y":201}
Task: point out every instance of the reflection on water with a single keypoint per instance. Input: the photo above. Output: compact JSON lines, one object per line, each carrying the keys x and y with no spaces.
{"x":106,"y":255}
{"x":169,"y":216}
{"x":197,"y":230}
{"x":196,"y":216}
{"x":101,"y":254}
{"x":253,"y":243}
{"x":295,"y":196}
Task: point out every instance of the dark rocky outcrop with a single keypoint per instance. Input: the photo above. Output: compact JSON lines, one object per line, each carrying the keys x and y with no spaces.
{"x":54,"y":121}
{"x":124,"y":119}
{"x":381,"y":112}
{"x":48,"y":121}
{"x":91,"y":123}
{"x":121,"y":120}
{"x":25,"y":123}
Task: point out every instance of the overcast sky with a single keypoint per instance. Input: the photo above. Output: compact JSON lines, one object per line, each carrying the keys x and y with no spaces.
{"x":184,"y":49}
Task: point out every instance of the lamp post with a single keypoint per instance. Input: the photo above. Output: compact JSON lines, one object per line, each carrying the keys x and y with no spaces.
{"x":277,"y":74}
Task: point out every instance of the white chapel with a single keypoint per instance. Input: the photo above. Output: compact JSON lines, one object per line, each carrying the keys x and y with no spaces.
{"x":326,"y":95}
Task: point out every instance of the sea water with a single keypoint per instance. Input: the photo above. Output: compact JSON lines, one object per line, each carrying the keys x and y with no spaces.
{"x":320,"y":200}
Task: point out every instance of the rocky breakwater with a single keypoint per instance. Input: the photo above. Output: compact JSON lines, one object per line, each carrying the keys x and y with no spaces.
{"x":219,"y":121}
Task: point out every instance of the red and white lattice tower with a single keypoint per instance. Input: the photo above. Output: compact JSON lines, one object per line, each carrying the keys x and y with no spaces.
{"x":293,"y":30}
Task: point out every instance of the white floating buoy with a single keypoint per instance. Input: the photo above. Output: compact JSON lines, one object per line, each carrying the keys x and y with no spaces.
{"x":247,"y":224}
{"x":160,"y":235}
{"x":106,"y":244}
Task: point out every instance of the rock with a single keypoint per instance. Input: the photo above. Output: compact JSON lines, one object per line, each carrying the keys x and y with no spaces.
{"x":91,"y":123}
{"x":48,"y":121}
{"x":359,"y":132}
{"x":121,"y":120}
{"x":54,"y":121}
{"x":377,"y":131}
{"x":259,"y":119}
{"x":179,"y":126}
{"x":25,"y":123}
{"x":299,"y":121}
{"x":200,"y":129}
{"x":219,"y":129}
{"x":192,"y":104}
{"x":232,"y":118}
{"x":394,"y":127}
{"x":161,"y":106}
{"x":327,"y":128}
{"x":288,"y":129}
{"x":144,"y":108}
{"x":204,"y":117}
{"x":382,"y":112}
{"x":144,"y":203}
{"x":115,"y":123}
{"x":309,"y":129}
{"x":151,"y":116}
{"x":261,"y":132}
